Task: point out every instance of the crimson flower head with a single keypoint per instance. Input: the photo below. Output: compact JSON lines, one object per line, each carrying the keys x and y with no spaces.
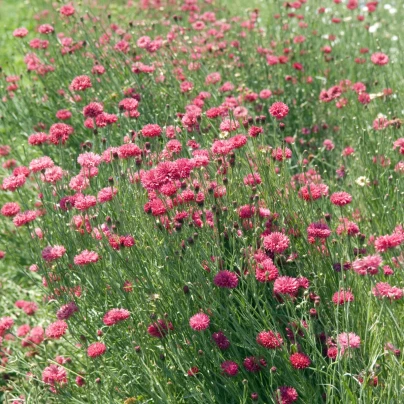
{"x":269,"y":340}
{"x":226,"y":279}
{"x":159,"y":329}
{"x":299,"y":360}
{"x":229,"y":368}
{"x":285,"y":395}
{"x":221,"y":340}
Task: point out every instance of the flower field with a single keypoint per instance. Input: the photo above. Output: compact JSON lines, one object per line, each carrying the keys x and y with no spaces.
{"x":202,"y":202}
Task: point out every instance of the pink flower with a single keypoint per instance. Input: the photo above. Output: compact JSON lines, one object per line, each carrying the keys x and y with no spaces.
{"x":10,"y":209}
{"x":13,"y":182}
{"x":129,"y":150}
{"x":40,"y":164}
{"x":199,"y":322}
{"x":50,"y":254}
{"x":96,"y":349}
{"x":93,"y":109}
{"x":266,"y":271}
{"x":23,"y":330}
{"x":106,"y":194}
{"x":56,"y":329}
{"x":151,"y":130}
{"x":24,"y":217}
{"x":66,"y":311}
{"x":59,"y":133}
{"x":384,"y":290}
{"x":89,"y":159}
{"x":379,"y":58}
{"x":80,"y":83}
{"x":280,"y":154}
{"x":343,"y":296}
{"x":5,"y":324}
{"x":312,"y":192}
{"x":340,"y":198}
{"x":367,"y":265}
{"x":20,"y":32}
{"x":86,"y":257}
{"x":67,"y":10}
{"x":384,"y":243}
{"x":348,"y":340}
{"x":84,"y":202}
{"x":276,"y":242}
{"x":54,"y":374}
{"x":318,"y":230}
{"x":115,"y":316}
{"x":45,"y":29}
{"x":279,"y":110}
{"x":52,"y":175}
{"x":253,"y":364}
{"x":286,"y":285}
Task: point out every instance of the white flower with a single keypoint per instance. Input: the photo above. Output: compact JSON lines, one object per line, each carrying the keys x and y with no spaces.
{"x":362,"y":181}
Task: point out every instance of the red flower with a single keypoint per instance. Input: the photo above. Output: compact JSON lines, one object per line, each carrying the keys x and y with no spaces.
{"x":299,"y":360}
{"x":270,"y":340}
{"x":253,"y":364}
{"x":286,"y":395}
{"x":229,"y":368}
{"x":159,"y":329}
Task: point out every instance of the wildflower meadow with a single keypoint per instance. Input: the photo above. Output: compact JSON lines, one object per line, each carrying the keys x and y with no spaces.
{"x":201,"y":201}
